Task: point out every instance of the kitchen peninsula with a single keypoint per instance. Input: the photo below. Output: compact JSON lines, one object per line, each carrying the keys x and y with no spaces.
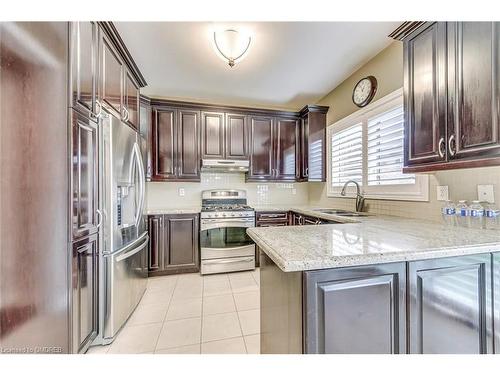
{"x":378,"y":284}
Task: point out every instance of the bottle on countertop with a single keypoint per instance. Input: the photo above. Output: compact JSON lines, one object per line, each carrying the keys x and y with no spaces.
{"x":462,"y":213}
{"x":492,"y":218}
{"x":476,"y":215}
{"x":449,"y":213}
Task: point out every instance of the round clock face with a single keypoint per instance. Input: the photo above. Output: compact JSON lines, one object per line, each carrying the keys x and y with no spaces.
{"x":364,"y":91}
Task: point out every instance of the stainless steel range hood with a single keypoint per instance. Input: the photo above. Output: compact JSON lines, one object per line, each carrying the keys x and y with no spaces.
{"x":227,"y":166}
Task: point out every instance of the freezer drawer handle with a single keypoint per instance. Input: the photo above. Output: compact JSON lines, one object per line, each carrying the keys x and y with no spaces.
{"x":133,"y":252}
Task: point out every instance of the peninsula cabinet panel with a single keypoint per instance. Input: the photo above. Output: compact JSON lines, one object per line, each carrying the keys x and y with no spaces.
{"x":450,"y":309}
{"x":110,"y":77}
{"x":356,"y":310}
{"x":496,"y":300}
{"x":212,"y":129}
{"x":425,"y":95}
{"x":188,"y":145}
{"x":474,"y":90}
{"x":164,"y":150}
{"x":83,"y":52}
{"x":261,"y":149}
{"x":84,"y":292}
{"x":287,"y":134}
{"x":84,"y":175}
{"x":236,"y":137}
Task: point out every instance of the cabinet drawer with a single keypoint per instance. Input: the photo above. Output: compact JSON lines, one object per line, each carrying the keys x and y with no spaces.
{"x":271,"y":216}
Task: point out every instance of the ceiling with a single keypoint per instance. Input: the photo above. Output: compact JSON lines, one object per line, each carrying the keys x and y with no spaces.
{"x":289,"y":65}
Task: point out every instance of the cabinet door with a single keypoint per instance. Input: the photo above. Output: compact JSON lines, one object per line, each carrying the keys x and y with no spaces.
{"x":110,"y":77}
{"x":188,"y":145}
{"x":450,"y":305}
{"x":84,"y":50}
{"x":164,"y":153}
{"x":286,"y":143}
{"x":155,"y":228}
{"x":181,"y":243}
{"x":236,"y":139}
{"x":261,"y":149}
{"x":425,"y":95}
{"x":356,"y":310}
{"x":474,"y":89}
{"x":304,"y":147}
{"x":84,"y":292}
{"x":315,"y":161}
{"x":84,"y":175}
{"x":212,"y":135}
{"x":131,"y":100}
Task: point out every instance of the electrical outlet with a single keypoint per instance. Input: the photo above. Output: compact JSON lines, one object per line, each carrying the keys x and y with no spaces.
{"x":442,"y":193}
{"x":485,"y":193}
{"x":182,"y":192}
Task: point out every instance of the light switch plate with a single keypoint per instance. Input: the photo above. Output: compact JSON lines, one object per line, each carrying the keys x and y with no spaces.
{"x":485,"y":193}
{"x":442,"y":193}
{"x":182,"y":192}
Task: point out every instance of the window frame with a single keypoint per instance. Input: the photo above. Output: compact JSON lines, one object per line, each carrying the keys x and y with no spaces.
{"x":408,"y":192}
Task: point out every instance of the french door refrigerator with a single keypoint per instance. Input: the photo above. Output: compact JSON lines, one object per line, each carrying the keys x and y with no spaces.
{"x":124,"y":240}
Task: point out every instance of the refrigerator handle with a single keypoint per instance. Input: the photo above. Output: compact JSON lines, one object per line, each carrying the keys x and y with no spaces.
{"x":142,"y":183}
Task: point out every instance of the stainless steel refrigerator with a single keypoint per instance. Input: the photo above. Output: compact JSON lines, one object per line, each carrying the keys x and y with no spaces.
{"x":124,"y":238}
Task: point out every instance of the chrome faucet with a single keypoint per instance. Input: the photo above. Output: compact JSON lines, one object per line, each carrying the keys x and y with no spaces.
{"x":360,"y":200}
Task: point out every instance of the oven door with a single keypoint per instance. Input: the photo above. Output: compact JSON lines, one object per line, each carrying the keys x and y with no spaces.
{"x":226,"y":238}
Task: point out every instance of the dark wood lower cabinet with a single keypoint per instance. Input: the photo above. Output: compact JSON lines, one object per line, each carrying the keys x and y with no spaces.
{"x":356,"y":310}
{"x":174,"y":244}
{"x":451,"y":306}
{"x":85,"y":259}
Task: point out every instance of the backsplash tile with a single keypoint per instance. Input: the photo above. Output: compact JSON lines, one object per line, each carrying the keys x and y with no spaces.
{"x":165,"y":194}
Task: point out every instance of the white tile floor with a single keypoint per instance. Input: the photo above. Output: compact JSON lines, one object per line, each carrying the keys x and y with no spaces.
{"x":193,"y":314}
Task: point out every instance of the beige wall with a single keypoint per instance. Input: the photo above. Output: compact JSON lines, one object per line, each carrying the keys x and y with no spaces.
{"x":387,"y":67}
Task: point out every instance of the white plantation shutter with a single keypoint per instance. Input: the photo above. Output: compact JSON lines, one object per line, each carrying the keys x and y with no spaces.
{"x":315,"y":160}
{"x":347,"y":155}
{"x":385,"y":149}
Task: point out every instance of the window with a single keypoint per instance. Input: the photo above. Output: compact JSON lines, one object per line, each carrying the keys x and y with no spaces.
{"x":367,"y":147}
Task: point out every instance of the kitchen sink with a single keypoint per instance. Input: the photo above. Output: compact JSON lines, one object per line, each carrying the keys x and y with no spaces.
{"x":333,"y":211}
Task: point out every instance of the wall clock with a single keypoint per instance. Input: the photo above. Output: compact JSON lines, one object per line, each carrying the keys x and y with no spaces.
{"x":364,"y":91}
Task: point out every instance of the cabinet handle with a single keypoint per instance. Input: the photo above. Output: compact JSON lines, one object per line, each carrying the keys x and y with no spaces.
{"x":98,"y":107}
{"x":99,"y":218}
{"x":452,"y":145}
{"x":441,"y":145}
{"x":307,"y":171}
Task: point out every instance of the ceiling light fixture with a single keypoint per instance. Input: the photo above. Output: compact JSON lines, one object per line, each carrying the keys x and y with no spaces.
{"x":231,"y":45}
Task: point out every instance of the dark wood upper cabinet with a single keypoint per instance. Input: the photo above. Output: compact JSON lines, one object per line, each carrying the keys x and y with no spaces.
{"x":212,"y":138}
{"x":83,"y":52}
{"x":286,"y":146}
{"x":84,"y":175}
{"x":188,"y":145}
{"x":425,"y":95}
{"x":164,"y":150}
{"x":146,"y":133}
{"x":236,"y":137}
{"x":311,"y":164}
{"x":473,"y":89}
{"x":110,"y":77}
{"x":452,"y":96}
{"x":131,"y":100}
{"x":261,"y":149}
{"x":176,"y":144}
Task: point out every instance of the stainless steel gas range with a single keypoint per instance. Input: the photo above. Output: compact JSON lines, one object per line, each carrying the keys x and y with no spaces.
{"x":225,"y":245}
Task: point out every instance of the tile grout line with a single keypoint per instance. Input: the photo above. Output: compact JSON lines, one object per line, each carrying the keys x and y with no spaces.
{"x":238,"y":315}
{"x":165,"y":317}
{"x":202,"y":298}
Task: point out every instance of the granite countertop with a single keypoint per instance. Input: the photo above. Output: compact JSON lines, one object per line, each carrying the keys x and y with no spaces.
{"x":173,"y":211}
{"x":366,"y":240}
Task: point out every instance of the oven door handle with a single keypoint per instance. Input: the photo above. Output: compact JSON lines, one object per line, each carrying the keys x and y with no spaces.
{"x":208,"y":226}
{"x":234,"y":260}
